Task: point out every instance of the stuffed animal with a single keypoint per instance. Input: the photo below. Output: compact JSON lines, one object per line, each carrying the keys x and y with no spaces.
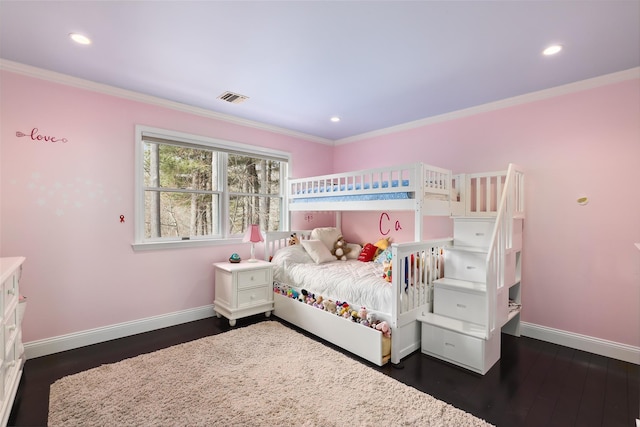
{"x":329,"y":305}
{"x":362,"y":313}
{"x":384,"y":328}
{"x":386,"y":268}
{"x":340,"y":249}
{"x":382,"y":244}
{"x":371,"y":319}
{"x":293,"y":240}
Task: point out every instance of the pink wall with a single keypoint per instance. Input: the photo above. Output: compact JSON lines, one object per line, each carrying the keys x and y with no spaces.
{"x":581,"y":271}
{"x":61,"y":205}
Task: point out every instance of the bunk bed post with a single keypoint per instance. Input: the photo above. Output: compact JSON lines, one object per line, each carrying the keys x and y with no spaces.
{"x":419,"y":179}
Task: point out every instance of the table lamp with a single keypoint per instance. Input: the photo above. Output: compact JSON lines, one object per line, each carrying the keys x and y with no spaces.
{"x":254,"y":236}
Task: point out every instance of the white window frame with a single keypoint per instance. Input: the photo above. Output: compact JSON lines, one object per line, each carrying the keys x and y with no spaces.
{"x":141,"y":243}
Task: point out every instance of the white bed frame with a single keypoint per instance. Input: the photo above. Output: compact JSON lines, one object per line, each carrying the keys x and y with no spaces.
{"x":434,"y":191}
{"x":406,"y":306}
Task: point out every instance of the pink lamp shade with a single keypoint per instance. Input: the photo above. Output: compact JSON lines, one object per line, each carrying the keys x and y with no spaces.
{"x":254,"y":236}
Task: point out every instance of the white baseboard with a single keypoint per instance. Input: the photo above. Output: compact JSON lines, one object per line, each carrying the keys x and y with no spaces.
{"x":599,"y":346}
{"x":93,"y":336}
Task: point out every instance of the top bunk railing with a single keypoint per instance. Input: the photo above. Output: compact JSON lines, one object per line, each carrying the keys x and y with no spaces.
{"x":411,"y":178}
{"x":485,"y":190}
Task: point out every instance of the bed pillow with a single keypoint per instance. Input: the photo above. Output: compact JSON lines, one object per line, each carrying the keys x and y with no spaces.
{"x":318,"y":251}
{"x":327,"y":235}
{"x":294,"y":254}
{"x":355,"y":250}
{"x":367,"y":253}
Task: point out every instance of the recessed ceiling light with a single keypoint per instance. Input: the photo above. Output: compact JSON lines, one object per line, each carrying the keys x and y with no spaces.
{"x":79,"y":38}
{"x":335,"y":119}
{"x":552,"y":50}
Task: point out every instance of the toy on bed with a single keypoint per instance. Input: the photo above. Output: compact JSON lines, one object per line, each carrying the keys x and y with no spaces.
{"x":340,"y":249}
{"x":294,"y":240}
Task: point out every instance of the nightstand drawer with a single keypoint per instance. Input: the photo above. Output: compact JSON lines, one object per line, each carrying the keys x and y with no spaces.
{"x":251,"y":278}
{"x":254,"y":296}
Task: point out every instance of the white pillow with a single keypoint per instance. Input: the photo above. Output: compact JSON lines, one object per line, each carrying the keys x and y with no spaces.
{"x":355,"y":250}
{"x":327,"y":235}
{"x":317,"y":251}
{"x":292,"y":254}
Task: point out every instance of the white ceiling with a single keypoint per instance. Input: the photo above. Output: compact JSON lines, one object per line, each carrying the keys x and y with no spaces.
{"x":375,"y":64}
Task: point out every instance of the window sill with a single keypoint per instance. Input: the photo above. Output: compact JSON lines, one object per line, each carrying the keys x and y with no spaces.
{"x":177,"y":244}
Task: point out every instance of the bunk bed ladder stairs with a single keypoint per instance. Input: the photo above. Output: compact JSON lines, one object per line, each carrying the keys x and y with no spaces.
{"x":471,"y":303}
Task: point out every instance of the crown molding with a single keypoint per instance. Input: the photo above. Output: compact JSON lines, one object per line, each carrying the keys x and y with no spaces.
{"x":632,"y":73}
{"x":64,"y":79}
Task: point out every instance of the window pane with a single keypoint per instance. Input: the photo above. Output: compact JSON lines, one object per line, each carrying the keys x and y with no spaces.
{"x":170,"y":166}
{"x":173,"y":214}
{"x":262,"y":210}
{"x":253,"y":175}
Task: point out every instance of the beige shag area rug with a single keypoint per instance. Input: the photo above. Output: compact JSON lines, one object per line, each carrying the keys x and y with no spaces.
{"x":265,"y":374}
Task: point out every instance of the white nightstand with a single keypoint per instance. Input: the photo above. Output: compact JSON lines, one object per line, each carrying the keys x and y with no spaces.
{"x":243,"y":289}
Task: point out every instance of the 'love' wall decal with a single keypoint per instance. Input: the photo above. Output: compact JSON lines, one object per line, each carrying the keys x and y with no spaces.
{"x":36,"y":136}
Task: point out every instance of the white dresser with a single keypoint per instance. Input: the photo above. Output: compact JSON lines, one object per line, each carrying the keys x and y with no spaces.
{"x":243,"y":289}
{"x":12,"y":349}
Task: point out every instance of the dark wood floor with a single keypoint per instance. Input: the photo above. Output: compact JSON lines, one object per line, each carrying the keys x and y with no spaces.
{"x":534,"y":384}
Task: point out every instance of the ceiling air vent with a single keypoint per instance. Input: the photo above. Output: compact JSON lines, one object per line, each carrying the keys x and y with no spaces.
{"x":233,"y":98}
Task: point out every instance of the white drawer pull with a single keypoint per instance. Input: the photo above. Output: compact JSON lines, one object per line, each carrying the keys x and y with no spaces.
{"x":12,"y":328}
{"x":448,"y":344}
{"x":471,"y":267}
{"x":11,"y":291}
{"x":11,"y":364}
{"x":461,"y":306}
{"x":479,"y":234}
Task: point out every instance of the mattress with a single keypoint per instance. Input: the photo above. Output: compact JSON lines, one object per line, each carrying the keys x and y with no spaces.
{"x":356,"y":282}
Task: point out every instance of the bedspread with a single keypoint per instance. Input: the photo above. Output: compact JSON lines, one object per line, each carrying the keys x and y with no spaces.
{"x":358,"y":283}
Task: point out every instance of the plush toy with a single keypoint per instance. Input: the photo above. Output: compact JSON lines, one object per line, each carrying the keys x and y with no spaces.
{"x":382,"y":244}
{"x":319,"y":302}
{"x":384,"y":328}
{"x":371,"y":319}
{"x":329,"y":305}
{"x":386,"y":268}
{"x":362,"y":314}
{"x":340,"y":249}
{"x":293,"y":240}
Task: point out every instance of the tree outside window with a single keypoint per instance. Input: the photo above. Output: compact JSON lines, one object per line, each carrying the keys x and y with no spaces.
{"x":196,"y":191}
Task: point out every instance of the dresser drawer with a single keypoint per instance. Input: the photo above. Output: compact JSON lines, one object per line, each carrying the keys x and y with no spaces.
{"x":10,"y":325}
{"x":460,"y":305}
{"x":10,"y":292}
{"x":457,"y":348}
{"x":463,"y":265}
{"x":474,"y":233}
{"x":9,"y":368}
{"x":251,"y":278}
{"x":259,"y":295}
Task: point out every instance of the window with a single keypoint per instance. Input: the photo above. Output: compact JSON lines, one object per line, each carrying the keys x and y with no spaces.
{"x":197,"y":190}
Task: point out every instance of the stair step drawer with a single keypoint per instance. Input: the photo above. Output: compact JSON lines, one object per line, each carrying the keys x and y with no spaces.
{"x":472,"y":233}
{"x":470,"y":266}
{"x":466,"y":306}
{"x":452,"y":346}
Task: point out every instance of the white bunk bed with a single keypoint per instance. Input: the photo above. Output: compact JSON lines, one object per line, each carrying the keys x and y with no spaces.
{"x":418,"y":187}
